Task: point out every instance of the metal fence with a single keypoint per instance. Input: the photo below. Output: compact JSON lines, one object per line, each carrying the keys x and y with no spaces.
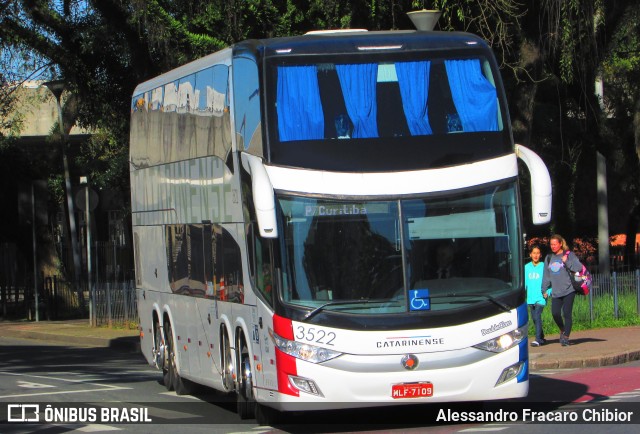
{"x":113,"y":284}
{"x":112,"y":281}
{"x":115,"y":303}
{"x":58,"y":300}
{"x":615,"y":296}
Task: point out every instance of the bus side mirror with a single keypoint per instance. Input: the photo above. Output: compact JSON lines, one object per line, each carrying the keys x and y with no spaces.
{"x":540,"y":185}
{"x":263,"y":198}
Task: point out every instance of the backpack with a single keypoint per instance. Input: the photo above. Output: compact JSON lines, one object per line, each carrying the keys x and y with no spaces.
{"x":581,"y":280}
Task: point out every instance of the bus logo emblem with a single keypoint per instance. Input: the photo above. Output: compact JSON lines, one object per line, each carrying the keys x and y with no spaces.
{"x":409,"y":362}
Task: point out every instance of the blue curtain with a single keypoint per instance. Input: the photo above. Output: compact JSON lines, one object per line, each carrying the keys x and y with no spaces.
{"x":300,"y":115}
{"x":358,"y":83}
{"x":413,"y":80}
{"x":473,"y":95}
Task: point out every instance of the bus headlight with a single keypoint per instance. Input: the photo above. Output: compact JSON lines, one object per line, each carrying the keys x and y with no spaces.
{"x":306,"y":352}
{"x":505,"y":341}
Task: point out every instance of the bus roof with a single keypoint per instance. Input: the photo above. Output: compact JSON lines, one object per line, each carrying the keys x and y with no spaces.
{"x":327,"y":42}
{"x":358,"y":41}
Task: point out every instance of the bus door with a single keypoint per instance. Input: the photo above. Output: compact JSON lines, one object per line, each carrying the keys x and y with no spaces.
{"x":204,"y":265}
{"x":261,"y":264}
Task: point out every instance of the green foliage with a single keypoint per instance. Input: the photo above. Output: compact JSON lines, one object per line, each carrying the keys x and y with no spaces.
{"x":10,"y":119}
{"x":621,"y":66}
{"x":106,"y":160}
{"x":55,"y":187}
{"x":550,"y":56}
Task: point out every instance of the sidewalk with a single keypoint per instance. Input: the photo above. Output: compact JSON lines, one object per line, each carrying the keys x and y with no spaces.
{"x":591,"y":348}
{"x":73,"y":333}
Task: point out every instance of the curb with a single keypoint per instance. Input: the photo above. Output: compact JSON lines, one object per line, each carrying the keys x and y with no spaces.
{"x":591,"y":362}
{"x":124,"y":343}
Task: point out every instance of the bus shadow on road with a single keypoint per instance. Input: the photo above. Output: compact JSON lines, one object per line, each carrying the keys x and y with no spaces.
{"x":550,"y":390}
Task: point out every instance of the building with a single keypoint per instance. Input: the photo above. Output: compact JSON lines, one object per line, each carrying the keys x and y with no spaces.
{"x":26,"y":165}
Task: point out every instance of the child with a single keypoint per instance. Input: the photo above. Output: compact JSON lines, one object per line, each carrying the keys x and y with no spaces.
{"x":533,"y":272}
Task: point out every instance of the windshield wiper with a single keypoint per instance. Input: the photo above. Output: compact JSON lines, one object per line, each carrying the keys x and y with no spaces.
{"x":495,"y":301}
{"x":320,"y":308}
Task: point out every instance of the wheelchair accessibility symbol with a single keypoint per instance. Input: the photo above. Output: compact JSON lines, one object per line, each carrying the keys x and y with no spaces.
{"x":419,"y":299}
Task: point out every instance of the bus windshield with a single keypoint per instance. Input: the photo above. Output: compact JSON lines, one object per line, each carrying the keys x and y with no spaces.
{"x":439,"y":109}
{"x":391,"y":256}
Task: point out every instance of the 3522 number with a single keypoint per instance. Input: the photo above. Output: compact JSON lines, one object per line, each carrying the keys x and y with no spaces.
{"x":317,"y":336}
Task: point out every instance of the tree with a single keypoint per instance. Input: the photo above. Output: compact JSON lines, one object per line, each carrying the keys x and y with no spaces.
{"x":621,"y":72}
{"x":552,"y":52}
{"x":102,"y":50}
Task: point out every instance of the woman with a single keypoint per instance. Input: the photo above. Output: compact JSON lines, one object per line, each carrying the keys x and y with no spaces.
{"x":558,"y":264}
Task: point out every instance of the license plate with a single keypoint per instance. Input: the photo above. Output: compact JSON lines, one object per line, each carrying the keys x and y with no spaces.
{"x":412,"y":390}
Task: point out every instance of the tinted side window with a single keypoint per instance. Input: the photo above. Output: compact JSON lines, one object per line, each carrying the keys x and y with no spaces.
{"x":232,"y":270}
{"x":247,"y":105}
{"x":261,"y":260}
{"x":204,"y":261}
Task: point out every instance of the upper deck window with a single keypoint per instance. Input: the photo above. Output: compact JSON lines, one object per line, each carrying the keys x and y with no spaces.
{"x":309,"y":96}
{"x":383,"y":101}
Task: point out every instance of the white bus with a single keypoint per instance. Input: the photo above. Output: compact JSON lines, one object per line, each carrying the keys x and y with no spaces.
{"x":333,"y":220}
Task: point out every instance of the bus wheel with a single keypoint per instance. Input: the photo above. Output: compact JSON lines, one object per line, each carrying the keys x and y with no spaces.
{"x":246,"y":405}
{"x":175,"y":381}
{"x":158,"y":352}
{"x":168,"y":370}
{"x":227,"y":361}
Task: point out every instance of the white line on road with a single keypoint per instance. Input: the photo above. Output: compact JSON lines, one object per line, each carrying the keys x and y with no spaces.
{"x":30,"y":385}
{"x":104,"y":389}
{"x":47,"y":377}
{"x":174,"y":394}
{"x":99,"y":387}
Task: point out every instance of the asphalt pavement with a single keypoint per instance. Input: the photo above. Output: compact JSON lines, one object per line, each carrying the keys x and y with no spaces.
{"x":590,"y":348}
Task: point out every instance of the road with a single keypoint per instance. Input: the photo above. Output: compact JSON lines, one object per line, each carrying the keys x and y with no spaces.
{"x":90,"y":381}
{"x":68,"y":377}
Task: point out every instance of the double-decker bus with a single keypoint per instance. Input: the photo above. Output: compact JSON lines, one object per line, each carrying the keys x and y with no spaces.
{"x":333,"y":220}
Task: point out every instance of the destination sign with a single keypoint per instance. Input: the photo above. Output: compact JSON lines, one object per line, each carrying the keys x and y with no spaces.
{"x":338,"y":209}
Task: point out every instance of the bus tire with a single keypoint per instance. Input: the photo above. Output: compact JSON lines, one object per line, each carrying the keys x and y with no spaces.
{"x":173,"y":380}
{"x":168,"y":371}
{"x":226,"y":360}
{"x":245,"y":403}
{"x":159,"y":350}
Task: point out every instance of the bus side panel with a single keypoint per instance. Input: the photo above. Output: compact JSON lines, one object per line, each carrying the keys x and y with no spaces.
{"x":209,"y":353}
{"x":151,"y":259}
{"x":145,"y":314}
{"x":268,"y":378}
{"x":151,"y":278}
{"x":184,"y":313}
